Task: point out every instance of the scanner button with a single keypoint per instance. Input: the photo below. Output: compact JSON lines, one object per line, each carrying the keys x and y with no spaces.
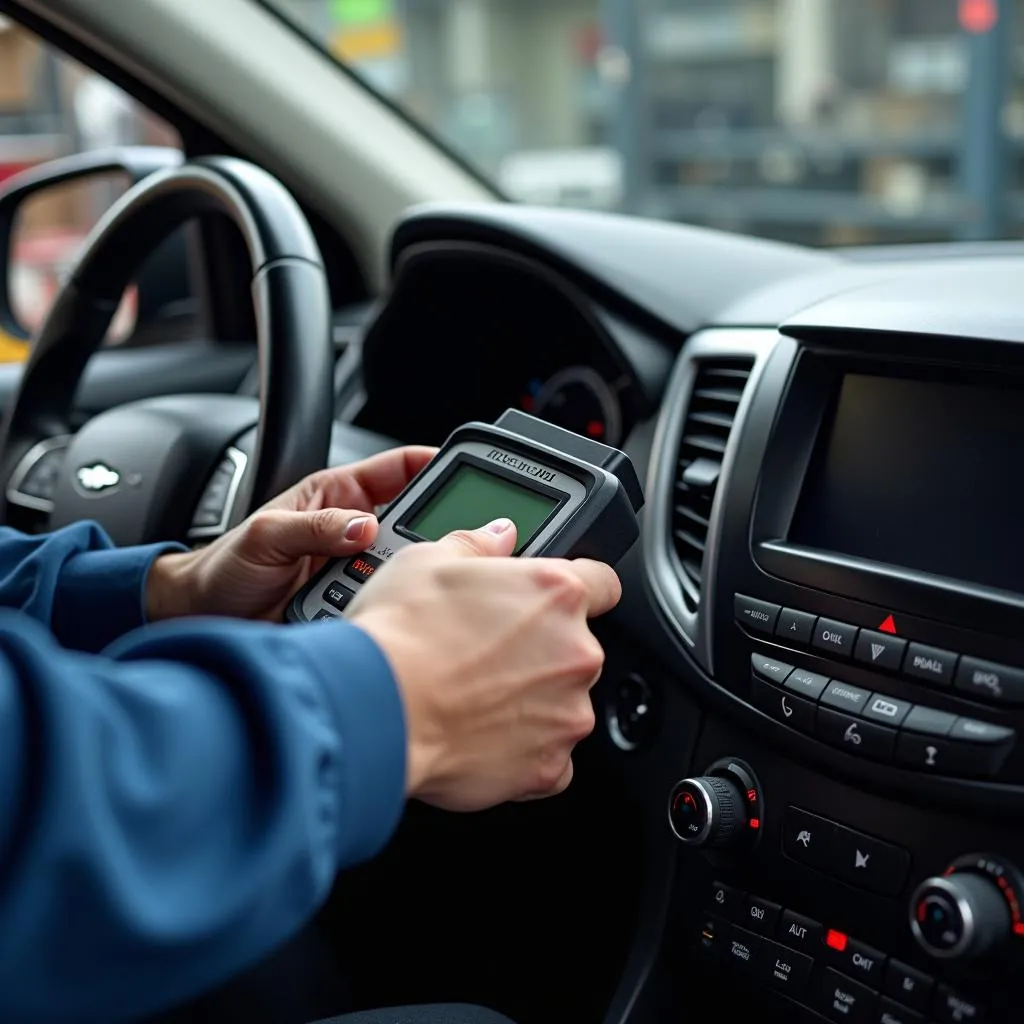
{"x":362,"y":567}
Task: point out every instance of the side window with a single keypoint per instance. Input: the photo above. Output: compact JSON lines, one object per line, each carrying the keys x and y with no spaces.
{"x":51,"y":106}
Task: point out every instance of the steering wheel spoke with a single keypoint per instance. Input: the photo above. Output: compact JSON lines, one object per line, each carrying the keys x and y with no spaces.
{"x":178,"y":466}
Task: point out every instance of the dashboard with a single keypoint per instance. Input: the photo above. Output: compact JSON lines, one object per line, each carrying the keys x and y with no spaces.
{"x":815,"y":682}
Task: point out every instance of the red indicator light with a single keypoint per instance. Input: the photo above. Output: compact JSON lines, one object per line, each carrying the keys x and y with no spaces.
{"x":978,"y":16}
{"x":888,"y":625}
{"x":527,"y":403}
{"x":595,"y":428}
{"x":755,"y":822}
{"x":1018,"y":928}
{"x":835,"y":940}
{"x":752,"y":795}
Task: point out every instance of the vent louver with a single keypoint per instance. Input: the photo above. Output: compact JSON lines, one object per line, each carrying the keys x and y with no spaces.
{"x":717,"y":391}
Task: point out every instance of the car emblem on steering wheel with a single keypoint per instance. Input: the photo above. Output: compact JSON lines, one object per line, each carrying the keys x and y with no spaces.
{"x":98,"y":477}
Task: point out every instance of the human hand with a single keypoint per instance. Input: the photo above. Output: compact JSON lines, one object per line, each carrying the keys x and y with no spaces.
{"x":495,"y":662}
{"x":253,"y":570}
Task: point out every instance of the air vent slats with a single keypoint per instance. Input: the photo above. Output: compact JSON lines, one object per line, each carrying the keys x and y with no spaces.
{"x":714,"y":400}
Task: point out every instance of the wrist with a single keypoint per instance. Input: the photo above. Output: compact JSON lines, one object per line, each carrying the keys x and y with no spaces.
{"x":170,"y":587}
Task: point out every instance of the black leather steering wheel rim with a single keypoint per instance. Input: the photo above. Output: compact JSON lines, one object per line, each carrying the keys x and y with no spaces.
{"x":293,"y":318}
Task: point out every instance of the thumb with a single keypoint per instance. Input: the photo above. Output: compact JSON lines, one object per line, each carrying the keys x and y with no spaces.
{"x":494,"y":540}
{"x":325,"y":533}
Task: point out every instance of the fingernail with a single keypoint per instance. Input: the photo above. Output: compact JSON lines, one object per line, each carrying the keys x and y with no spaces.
{"x":499,"y":526}
{"x":355,"y":528}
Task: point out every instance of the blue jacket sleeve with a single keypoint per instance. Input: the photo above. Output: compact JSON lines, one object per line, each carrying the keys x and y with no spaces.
{"x":173,"y":809}
{"x":76,"y":582}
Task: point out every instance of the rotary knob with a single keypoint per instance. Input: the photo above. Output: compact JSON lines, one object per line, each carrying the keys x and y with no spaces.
{"x":707,"y":811}
{"x":961,"y":916}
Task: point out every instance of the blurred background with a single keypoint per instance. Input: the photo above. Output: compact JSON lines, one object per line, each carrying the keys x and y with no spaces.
{"x":823,"y":122}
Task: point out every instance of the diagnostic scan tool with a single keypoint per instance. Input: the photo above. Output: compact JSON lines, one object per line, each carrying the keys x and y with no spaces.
{"x":569,"y":497}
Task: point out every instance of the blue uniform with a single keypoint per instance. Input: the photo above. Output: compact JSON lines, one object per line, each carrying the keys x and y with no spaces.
{"x":175,"y":800}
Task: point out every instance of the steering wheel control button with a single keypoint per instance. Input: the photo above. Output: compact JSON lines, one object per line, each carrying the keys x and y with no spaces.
{"x":338,"y":596}
{"x":844,"y":697}
{"x":800,"y":932}
{"x":362,"y":567}
{"x":985,"y":680}
{"x":761,"y":916}
{"x":869,"y":863}
{"x":929,"y":663}
{"x":785,"y":707}
{"x":886,"y":710}
{"x":807,"y":839}
{"x":835,"y":637}
{"x":908,"y":986}
{"x":854,"y":735}
{"x":807,"y":684}
{"x":846,"y":1001}
{"x":770,"y":669}
{"x":707,"y":811}
{"x":754,"y":614}
{"x":324,"y":615}
{"x":783,"y":968}
{"x":794,"y":626}
{"x":726,"y":901}
{"x":854,"y":959}
{"x":880,"y":650}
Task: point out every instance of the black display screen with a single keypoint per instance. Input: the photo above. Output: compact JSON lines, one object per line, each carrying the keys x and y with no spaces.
{"x":923,"y":475}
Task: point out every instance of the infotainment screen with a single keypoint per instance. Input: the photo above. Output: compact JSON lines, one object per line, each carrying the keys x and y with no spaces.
{"x":925,"y":475}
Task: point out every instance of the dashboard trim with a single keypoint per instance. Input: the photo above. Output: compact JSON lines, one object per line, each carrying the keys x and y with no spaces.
{"x":664,"y":572}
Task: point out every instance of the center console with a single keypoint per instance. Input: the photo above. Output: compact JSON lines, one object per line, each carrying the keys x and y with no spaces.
{"x":838,"y":549}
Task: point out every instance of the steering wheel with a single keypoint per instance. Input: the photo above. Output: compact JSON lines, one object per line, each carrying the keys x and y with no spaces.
{"x":178,"y":466}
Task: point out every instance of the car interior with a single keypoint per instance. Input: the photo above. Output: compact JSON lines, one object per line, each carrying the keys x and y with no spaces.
{"x":802,"y":800}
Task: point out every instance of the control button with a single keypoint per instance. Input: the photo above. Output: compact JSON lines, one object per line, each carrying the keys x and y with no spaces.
{"x":707,"y":811}
{"x":988,"y":681}
{"x":853,"y":958}
{"x":833,"y":636}
{"x":844,"y":1000}
{"x":855,"y":736}
{"x":726,"y":900}
{"x":955,"y":1008}
{"x":929,"y":721}
{"x":931,"y":663}
{"x":807,"y":838}
{"x":632,"y":713}
{"x":844,"y":697}
{"x":770,"y":669}
{"x":754,"y":614}
{"x":882,"y":650}
{"x":761,"y":916}
{"x":323,"y":615}
{"x":337,"y":596}
{"x":908,"y":986}
{"x":892,"y":1013}
{"x":783,"y":968}
{"x":887,"y":710}
{"x":740,"y":947}
{"x":793,"y":711}
{"x":800,"y":932}
{"x":794,"y":626}
{"x":869,"y":863}
{"x":807,"y":684}
{"x":362,"y":567}
{"x":961,"y":916}
{"x":925,"y":753}
{"x":972,"y":731}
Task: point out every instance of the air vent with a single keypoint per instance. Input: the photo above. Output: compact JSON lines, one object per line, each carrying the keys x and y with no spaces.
{"x":716,"y":396}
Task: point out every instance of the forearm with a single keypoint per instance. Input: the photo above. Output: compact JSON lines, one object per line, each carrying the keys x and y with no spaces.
{"x":170,"y":814}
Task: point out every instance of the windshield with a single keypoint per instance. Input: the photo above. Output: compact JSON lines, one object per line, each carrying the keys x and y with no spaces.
{"x":825,"y":122}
